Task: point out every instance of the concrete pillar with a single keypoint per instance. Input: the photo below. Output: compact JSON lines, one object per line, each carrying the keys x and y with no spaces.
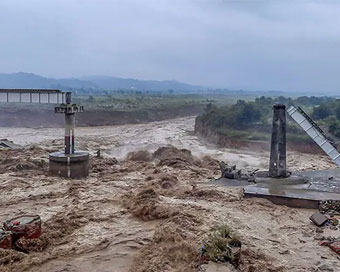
{"x":69,"y":133}
{"x":277,"y":165}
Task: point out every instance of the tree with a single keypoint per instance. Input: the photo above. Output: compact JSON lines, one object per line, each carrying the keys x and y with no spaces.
{"x":321,"y":112}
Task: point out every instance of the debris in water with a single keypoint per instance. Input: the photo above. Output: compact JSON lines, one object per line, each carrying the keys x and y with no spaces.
{"x":318,"y":219}
{"x":28,"y":226}
{"x":335,"y":246}
{"x":230,"y":172}
{"x":5,"y":239}
{"x":7,"y":144}
{"x":222,"y":246}
{"x":330,"y":207}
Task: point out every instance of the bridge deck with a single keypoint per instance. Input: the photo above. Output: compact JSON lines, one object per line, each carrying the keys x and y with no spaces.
{"x":48,"y":96}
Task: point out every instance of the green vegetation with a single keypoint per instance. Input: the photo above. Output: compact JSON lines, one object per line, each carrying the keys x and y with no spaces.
{"x":252,"y":120}
{"x":136,"y":100}
{"x":328,"y":115}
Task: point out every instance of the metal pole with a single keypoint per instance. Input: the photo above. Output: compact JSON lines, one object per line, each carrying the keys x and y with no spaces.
{"x":277,"y":166}
{"x":68,"y":97}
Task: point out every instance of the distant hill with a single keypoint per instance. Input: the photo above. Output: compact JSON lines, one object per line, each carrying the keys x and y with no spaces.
{"x":107,"y":82}
{"x":29,"y":80}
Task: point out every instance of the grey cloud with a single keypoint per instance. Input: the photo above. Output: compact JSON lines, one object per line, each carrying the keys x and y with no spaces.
{"x":283,"y":45}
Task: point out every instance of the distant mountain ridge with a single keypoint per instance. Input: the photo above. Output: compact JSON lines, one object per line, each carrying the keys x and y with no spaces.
{"x":30,"y":80}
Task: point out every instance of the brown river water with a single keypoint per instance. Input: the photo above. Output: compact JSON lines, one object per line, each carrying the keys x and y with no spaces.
{"x":149,"y":215}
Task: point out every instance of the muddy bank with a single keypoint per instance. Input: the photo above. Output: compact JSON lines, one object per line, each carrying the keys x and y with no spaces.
{"x":222,"y":140}
{"x":47,"y":118}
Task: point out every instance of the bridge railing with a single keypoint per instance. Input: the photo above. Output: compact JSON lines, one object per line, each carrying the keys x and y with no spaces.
{"x":32,"y":96}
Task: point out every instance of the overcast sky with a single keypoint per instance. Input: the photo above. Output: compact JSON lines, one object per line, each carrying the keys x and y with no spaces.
{"x":256,"y":45}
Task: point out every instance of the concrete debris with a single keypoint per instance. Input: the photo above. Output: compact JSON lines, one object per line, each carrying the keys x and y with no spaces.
{"x":18,"y":229}
{"x":230,"y":172}
{"x":7,"y":144}
{"x":330,"y":207}
{"x":28,"y":226}
{"x":318,"y":219}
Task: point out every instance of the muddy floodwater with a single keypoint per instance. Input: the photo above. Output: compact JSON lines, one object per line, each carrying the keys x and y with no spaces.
{"x":118,"y":141}
{"x":148,"y":205}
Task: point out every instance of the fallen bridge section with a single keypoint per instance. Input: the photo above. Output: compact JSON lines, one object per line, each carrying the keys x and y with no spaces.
{"x":315,"y":132}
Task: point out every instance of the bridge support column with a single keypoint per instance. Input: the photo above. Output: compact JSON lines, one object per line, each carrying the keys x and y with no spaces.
{"x":69,"y":133}
{"x":70,"y":163}
{"x":277,"y":165}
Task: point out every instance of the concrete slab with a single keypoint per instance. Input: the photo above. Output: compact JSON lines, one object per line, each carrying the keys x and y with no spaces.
{"x":302,"y":189}
{"x":322,"y":180}
{"x":7,"y":144}
{"x":283,"y":195}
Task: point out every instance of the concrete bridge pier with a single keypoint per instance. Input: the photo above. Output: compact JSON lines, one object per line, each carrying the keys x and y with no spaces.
{"x":277,"y":165}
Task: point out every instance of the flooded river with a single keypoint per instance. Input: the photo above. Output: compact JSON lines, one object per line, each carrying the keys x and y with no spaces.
{"x":118,"y":141}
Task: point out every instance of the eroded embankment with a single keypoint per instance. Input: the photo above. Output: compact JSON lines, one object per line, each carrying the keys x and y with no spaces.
{"x":150,"y":212}
{"x":47,"y":118}
{"x":220,"y":139}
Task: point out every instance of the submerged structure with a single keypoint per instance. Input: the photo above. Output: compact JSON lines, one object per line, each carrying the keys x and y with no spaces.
{"x":69,"y":163}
